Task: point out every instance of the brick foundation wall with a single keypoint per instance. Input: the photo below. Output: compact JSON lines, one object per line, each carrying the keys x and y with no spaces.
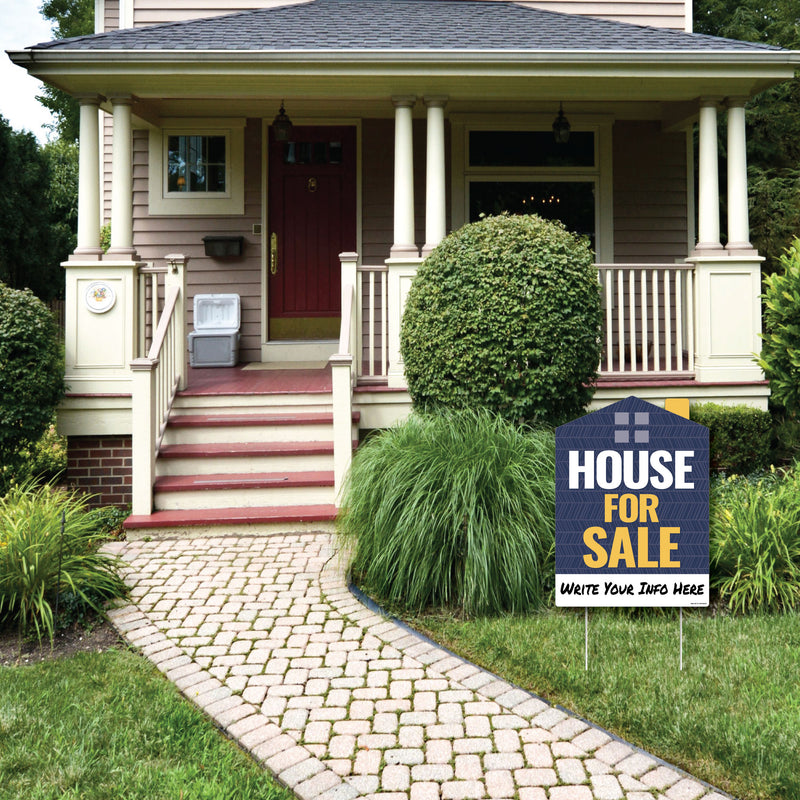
{"x":101,"y":465}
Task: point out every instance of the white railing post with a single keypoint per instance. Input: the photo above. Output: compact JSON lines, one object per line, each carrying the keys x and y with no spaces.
{"x":349,"y":266}
{"x":176,"y":276}
{"x":342,"y":390}
{"x":143,"y":456}
{"x":401,"y":272}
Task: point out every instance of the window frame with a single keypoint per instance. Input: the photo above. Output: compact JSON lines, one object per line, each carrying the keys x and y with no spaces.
{"x":600,"y":174}
{"x":162,"y":202}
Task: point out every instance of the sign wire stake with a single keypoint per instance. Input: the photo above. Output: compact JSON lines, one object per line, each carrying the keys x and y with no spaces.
{"x":586,"y":639}
{"x":681,"y":636}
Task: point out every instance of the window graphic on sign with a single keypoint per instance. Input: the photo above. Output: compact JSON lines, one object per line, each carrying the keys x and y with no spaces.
{"x":632,"y":509}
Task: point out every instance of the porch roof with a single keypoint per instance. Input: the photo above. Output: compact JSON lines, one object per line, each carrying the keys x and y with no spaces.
{"x":470,"y":50}
{"x":415,"y":25}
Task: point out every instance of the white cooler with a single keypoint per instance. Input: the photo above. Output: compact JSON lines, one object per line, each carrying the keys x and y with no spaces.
{"x":214,"y":342}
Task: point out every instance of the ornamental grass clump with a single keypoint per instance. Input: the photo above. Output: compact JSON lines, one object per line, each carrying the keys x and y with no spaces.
{"x":755,"y":542}
{"x":453,"y":509}
{"x":38,"y":564}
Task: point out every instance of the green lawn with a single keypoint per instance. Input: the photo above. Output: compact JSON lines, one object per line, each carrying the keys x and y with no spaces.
{"x":109,"y":725}
{"x":732,"y":717}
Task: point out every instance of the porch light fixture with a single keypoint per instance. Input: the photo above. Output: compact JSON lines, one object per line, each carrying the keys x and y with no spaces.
{"x":561,"y":127}
{"x":282,"y":126}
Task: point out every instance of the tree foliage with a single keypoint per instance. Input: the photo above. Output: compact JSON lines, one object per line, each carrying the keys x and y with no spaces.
{"x":31,"y":373}
{"x":38,"y":210}
{"x":780,"y":351}
{"x":70,"y":18}
{"x":773,"y":119}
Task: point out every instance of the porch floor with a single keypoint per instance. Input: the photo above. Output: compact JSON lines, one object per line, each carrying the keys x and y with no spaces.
{"x":257,"y":379}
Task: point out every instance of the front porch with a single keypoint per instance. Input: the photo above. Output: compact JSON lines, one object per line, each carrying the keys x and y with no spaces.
{"x":270,"y":443}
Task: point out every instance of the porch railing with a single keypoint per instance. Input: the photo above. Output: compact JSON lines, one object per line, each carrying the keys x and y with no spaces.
{"x":648,"y":320}
{"x":157,"y":377}
{"x":372,"y":321}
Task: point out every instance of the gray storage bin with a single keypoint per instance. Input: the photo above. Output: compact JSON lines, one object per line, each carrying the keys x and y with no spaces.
{"x":214,"y":342}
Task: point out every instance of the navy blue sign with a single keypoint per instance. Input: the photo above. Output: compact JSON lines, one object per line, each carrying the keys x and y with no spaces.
{"x":632,"y":508}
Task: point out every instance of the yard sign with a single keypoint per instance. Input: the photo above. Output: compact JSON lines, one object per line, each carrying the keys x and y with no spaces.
{"x":632,"y":509}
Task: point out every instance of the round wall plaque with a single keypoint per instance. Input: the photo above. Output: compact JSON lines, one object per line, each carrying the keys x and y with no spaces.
{"x":99,"y":297}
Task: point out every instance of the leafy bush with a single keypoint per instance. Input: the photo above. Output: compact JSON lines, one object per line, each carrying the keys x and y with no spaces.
{"x":31,"y":375}
{"x":45,"y":459}
{"x":755,"y":542}
{"x":453,"y":508}
{"x":504,"y":314}
{"x":780,"y":351}
{"x":739,"y":436}
{"x":37,"y":563}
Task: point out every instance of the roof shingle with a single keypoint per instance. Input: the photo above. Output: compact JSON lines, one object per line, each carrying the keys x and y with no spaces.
{"x":390,"y":25}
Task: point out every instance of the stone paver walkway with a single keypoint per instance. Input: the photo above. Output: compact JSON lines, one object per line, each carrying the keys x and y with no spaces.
{"x":262,"y":633}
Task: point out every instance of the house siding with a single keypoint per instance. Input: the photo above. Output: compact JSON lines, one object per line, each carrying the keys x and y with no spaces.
{"x":646,"y":12}
{"x":656,"y":13}
{"x":155,"y":237}
{"x":110,"y":15}
{"x":153,"y":12}
{"x":650,"y":194}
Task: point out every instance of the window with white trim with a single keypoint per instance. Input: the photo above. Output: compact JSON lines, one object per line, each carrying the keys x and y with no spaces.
{"x":196,"y":169}
{"x":528,"y":172}
{"x":196,"y":163}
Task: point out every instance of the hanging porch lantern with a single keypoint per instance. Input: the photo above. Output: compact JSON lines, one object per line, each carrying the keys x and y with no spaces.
{"x":282,"y":126}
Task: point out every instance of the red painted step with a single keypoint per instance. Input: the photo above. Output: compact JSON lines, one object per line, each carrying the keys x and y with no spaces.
{"x":232,"y":516}
{"x":263,"y":480}
{"x":246,"y":449}
{"x":236,"y":420}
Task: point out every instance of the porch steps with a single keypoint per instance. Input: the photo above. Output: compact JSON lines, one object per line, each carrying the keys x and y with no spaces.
{"x":231,"y":462}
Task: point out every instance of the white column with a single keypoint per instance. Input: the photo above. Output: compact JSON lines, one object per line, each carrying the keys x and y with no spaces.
{"x":88,"y":246}
{"x":404,"y":245}
{"x":435,"y":192}
{"x":738,"y":217}
{"x":122,"y":182}
{"x":708,"y":180}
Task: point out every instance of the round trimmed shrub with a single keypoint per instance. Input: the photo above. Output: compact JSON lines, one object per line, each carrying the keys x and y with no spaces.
{"x":505,"y":314}
{"x":456,"y":509}
{"x":31,"y":374}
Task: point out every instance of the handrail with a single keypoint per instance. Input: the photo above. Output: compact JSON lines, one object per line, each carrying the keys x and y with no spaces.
{"x":346,"y":327}
{"x":641,"y":266}
{"x":156,"y":379}
{"x":163,"y":323}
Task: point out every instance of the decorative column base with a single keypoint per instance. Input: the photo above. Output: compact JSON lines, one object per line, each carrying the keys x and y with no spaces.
{"x":100,"y":325}
{"x":727,"y":318}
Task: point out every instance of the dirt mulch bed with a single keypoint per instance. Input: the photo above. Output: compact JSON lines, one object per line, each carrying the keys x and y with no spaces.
{"x":96,"y":638}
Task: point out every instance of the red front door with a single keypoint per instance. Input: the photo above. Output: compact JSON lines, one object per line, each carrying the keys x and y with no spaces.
{"x":312,"y":218}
